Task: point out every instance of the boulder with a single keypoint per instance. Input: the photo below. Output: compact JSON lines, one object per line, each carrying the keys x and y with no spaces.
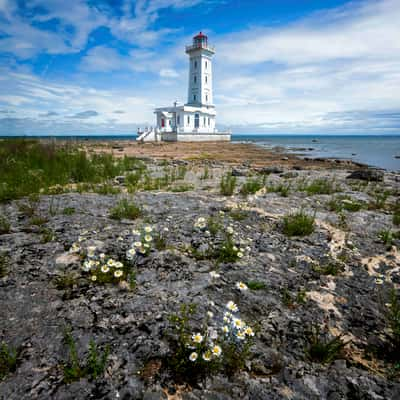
{"x":371,"y":175}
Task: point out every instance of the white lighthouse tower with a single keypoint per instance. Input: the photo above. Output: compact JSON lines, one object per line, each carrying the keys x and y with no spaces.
{"x":200,"y":72}
{"x":194,"y":121}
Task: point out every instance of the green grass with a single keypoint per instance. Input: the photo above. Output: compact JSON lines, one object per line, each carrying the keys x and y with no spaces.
{"x":323,"y":350}
{"x":125,"y":209}
{"x":38,"y":220}
{"x":251,"y":186}
{"x":239,"y":215}
{"x":340,"y":203}
{"x":320,"y":186}
{"x":393,"y":319}
{"x":68,"y":211}
{"x":30,"y":166}
{"x":3,"y":265}
{"x":227,"y":184}
{"x":183,"y":187}
{"x":8,"y":360}
{"x":298,"y":224}
{"x":5,"y":225}
{"x":331,"y":268}
{"x":256,"y":285}
{"x":281,"y":189}
{"x":94,"y":365}
{"x":106,"y":189}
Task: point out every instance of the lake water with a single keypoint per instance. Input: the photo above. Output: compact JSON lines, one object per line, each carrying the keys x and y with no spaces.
{"x":377,"y":151}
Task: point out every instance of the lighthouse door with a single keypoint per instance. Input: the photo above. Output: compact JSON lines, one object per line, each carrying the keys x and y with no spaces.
{"x":196,"y":121}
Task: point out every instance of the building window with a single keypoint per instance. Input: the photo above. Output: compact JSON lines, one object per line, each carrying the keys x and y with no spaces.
{"x":204,"y":121}
{"x":208,"y":121}
{"x":206,"y":80}
{"x":194,"y":97}
{"x":195,"y":64}
{"x":207,"y":97}
{"x":169,"y":122}
{"x":195,"y":79}
{"x":162,"y":122}
{"x":196,"y":120}
{"x":206,"y":64}
{"x":178,"y":119}
{"x":188,"y":119}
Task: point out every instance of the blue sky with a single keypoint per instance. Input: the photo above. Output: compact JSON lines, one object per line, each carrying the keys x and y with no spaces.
{"x":282,"y":66}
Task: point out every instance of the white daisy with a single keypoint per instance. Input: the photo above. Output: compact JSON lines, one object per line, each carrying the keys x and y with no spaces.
{"x":216,"y":350}
{"x":232,"y":306}
{"x":118,"y":273}
{"x":105,"y":269}
{"x":193,"y":356}
{"x":197,"y":338}
{"x":241,"y":286}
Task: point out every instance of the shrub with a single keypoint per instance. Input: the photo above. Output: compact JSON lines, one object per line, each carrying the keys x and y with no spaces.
{"x":324,"y":350}
{"x":227,"y":184}
{"x":5,"y":226}
{"x":8,"y":360}
{"x":298,"y":224}
{"x":378,"y":201}
{"x":125,"y":209}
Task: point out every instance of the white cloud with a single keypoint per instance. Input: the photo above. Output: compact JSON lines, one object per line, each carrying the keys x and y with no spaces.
{"x":296,"y":77}
{"x":168,"y":73}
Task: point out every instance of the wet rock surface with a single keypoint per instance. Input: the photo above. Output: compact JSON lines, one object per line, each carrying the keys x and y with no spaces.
{"x":134,"y":323}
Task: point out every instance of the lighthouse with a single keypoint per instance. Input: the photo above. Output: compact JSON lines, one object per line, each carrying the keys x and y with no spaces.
{"x":200,"y":72}
{"x":195,"y":120}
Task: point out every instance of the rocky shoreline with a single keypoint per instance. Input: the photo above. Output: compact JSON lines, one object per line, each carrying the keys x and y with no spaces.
{"x":338,"y":278}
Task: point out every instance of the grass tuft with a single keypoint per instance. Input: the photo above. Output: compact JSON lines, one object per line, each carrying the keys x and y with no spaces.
{"x":227,"y":184}
{"x":5,"y":225}
{"x":125,"y":209}
{"x":323,"y":350}
{"x":298,"y":224}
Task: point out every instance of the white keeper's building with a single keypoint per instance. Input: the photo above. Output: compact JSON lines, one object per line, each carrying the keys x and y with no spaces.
{"x":194,"y":121}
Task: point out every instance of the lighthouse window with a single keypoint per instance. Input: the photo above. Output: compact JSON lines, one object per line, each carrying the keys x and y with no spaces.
{"x":195,"y":79}
{"x":194,"y":97}
{"x":195,"y":64}
{"x":206,"y":97}
{"x":188,"y":119}
{"x":206,"y":64}
{"x":204,"y":120}
{"x":206,"y":79}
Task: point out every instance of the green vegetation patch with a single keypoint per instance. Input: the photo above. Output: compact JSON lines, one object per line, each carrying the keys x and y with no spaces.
{"x":125,"y":209}
{"x":322,"y":349}
{"x":92,"y":368}
{"x":227,"y":184}
{"x":298,"y":224}
{"x":8,"y":360}
{"x":5,"y":225}
{"x":252,"y":186}
{"x":31,"y":166}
